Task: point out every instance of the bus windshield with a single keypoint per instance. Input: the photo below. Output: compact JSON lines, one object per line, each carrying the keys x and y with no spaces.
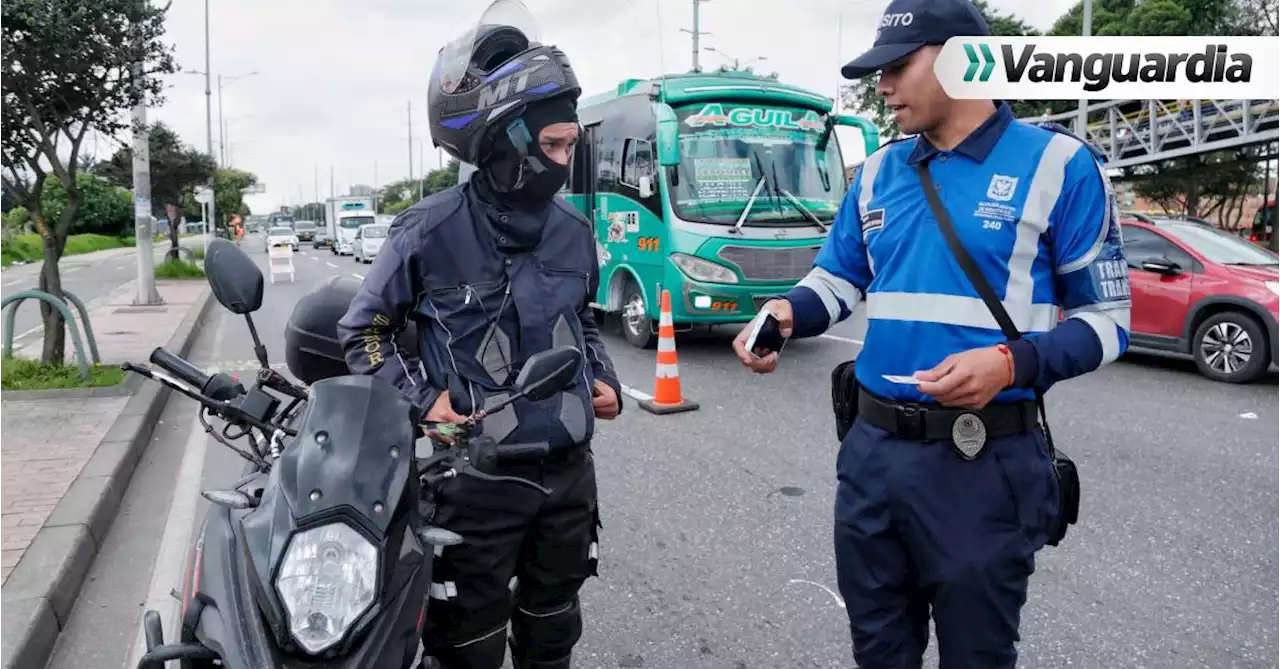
{"x":727,"y":151}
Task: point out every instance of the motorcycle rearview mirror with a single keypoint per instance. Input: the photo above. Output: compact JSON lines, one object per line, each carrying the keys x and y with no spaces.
{"x":237,"y":283}
{"x":543,"y":375}
{"x":233,"y":276}
{"x":547,"y":372}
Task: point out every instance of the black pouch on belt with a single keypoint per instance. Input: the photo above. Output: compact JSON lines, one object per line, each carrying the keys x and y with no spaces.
{"x":844,"y":397}
{"x":1063,"y":467}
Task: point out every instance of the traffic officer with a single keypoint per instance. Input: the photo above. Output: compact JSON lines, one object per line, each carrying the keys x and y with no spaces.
{"x":493,"y":271}
{"x":921,"y":526}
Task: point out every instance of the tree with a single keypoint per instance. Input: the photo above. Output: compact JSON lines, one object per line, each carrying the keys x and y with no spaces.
{"x":227,"y":198}
{"x":176,"y":169}
{"x":442,"y":179}
{"x":69,"y":65}
{"x":6,"y":200}
{"x":1206,"y":184}
{"x":105,"y":209}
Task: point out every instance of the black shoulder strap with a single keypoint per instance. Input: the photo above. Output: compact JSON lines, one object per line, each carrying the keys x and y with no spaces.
{"x":967,"y":264}
{"x":976,"y":278}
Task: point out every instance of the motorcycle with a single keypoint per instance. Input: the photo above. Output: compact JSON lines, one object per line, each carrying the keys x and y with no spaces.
{"x":320,"y":555}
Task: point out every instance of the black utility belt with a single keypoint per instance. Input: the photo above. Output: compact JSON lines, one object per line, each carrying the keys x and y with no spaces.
{"x":922,"y":422}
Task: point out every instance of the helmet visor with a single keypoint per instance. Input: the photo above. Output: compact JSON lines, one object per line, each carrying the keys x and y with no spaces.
{"x":455,"y":57}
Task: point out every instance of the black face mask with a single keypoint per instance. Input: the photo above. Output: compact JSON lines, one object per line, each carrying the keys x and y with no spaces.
{"x":509,"y":181}
{"x":508,"y":178}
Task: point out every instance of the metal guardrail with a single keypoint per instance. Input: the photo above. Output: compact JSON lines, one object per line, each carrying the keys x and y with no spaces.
{"x":11,"y":303}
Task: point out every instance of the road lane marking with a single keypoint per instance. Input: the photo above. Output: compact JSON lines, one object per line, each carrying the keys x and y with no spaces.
{"x":169,"y":569}
{"x":637,"y":395}
{"x":358,"y":276}
{"x":1249,"y":415}
{"x":331,"y":265}
{"x":846,"y":340}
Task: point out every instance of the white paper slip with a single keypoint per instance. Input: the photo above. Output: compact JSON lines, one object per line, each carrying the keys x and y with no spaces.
{"x":910,"y":380}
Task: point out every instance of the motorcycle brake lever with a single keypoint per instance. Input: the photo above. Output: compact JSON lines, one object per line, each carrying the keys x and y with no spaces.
{"x":471,"y":471}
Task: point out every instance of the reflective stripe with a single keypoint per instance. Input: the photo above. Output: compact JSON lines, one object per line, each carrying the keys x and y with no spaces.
{"x":668,"y":371}
{"x":666,"y":345}
{"x":1107,"y":222}
{"x":832,"y":290}
{"x":1042,"y":196}
{"x":665,"y":319}
{"x":870,"y":168}
{"x":594,"y":551}
{"x":482,"y":637}
{"x":549,"y":614}
{"x":1104,"y":324}
{"x":956,"y":310}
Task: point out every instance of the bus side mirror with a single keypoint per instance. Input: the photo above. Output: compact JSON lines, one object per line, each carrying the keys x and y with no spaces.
{"x":870,"y":133}
{"x":668,"y":135}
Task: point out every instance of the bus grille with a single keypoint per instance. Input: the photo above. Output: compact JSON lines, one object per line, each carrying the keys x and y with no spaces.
{"x":771,"y":264}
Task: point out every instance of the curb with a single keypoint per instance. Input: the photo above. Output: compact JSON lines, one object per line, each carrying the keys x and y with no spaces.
{"x":42,"y":588}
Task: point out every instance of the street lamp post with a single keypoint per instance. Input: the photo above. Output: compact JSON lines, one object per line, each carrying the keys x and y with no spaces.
{"x":1082,"y":112}
{"x":221,"y":123}
{"x":208,"y":120}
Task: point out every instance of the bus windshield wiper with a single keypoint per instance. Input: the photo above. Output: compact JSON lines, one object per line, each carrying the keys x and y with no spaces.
{"x":804,"y":210}
{"x":751,"y":201}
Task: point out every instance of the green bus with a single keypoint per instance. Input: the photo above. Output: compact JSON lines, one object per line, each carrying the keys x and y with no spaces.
{"x":716,"y":186}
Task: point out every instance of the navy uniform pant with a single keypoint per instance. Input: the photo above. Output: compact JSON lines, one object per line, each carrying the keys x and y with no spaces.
{"x":919,"y":530}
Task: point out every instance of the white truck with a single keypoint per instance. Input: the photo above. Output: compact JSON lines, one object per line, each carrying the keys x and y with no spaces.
{"x":343,"y":216}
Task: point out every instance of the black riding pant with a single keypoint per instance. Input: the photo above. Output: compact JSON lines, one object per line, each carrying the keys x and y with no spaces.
{"x":523,"y":559}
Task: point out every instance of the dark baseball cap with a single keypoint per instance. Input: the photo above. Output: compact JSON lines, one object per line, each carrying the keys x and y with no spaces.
{"x":907,"y":25}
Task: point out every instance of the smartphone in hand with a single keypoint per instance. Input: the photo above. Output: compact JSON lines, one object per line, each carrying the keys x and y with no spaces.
{"x":765,"y":336}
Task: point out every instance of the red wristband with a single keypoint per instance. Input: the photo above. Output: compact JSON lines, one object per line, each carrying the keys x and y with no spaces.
{"x":1008,"y":359}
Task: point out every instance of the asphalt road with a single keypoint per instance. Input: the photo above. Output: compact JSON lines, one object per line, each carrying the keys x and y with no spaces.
{"x":90,"y":277}
{"x":716,"y":547}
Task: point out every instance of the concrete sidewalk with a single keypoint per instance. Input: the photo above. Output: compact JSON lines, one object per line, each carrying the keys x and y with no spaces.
{"x":66,"y":458}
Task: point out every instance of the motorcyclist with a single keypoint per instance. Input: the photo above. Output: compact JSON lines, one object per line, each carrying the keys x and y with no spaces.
{"x":492,"y":271}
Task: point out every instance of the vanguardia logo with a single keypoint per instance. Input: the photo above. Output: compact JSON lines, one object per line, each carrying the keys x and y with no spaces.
{"x":1049,"y":68}
{"x":988,"y":62}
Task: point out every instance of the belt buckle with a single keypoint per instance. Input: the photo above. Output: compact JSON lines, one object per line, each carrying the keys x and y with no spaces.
{"x":910,"y":420}
{"x":969,"y":433}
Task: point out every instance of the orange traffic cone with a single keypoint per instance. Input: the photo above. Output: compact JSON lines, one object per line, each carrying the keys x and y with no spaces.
{"x":666,"y":384}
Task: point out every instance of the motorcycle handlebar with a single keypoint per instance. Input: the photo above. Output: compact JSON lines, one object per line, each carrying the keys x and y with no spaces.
{"x":174,"y":364}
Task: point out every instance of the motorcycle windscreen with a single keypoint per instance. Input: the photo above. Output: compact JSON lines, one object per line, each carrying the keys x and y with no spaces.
{"x":353,"y":450}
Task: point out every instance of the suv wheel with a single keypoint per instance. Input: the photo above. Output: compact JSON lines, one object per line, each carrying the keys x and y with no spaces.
{"x":1230,"y":347}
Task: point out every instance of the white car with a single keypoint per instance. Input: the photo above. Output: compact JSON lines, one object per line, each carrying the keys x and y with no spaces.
{"x":280,"y":236}
{"x":368,"y":241}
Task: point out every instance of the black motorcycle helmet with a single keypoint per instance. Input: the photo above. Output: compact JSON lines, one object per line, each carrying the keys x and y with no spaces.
{"x":486,"y":78}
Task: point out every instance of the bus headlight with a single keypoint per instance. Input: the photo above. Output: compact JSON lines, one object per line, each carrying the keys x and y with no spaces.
{"x":703,"y":270}
{"x":328,"y":578}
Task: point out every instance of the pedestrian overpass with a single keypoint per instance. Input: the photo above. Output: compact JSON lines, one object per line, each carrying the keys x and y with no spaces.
{"x":1137,"y":132}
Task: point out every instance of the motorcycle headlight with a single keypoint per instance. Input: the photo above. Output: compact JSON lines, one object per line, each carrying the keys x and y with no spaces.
{"x":327,"y":580}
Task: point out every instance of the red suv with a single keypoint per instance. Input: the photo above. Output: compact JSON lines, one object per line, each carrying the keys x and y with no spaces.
{"x":1200,"y":291}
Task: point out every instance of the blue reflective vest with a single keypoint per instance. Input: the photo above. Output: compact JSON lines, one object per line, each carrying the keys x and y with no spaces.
{"x":1032,"y":205}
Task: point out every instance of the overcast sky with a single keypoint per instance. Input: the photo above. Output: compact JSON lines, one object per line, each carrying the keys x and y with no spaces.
{"x":335,"y":77}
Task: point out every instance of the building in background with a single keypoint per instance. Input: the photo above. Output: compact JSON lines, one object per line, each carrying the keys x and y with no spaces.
{"x":362,"y":191}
